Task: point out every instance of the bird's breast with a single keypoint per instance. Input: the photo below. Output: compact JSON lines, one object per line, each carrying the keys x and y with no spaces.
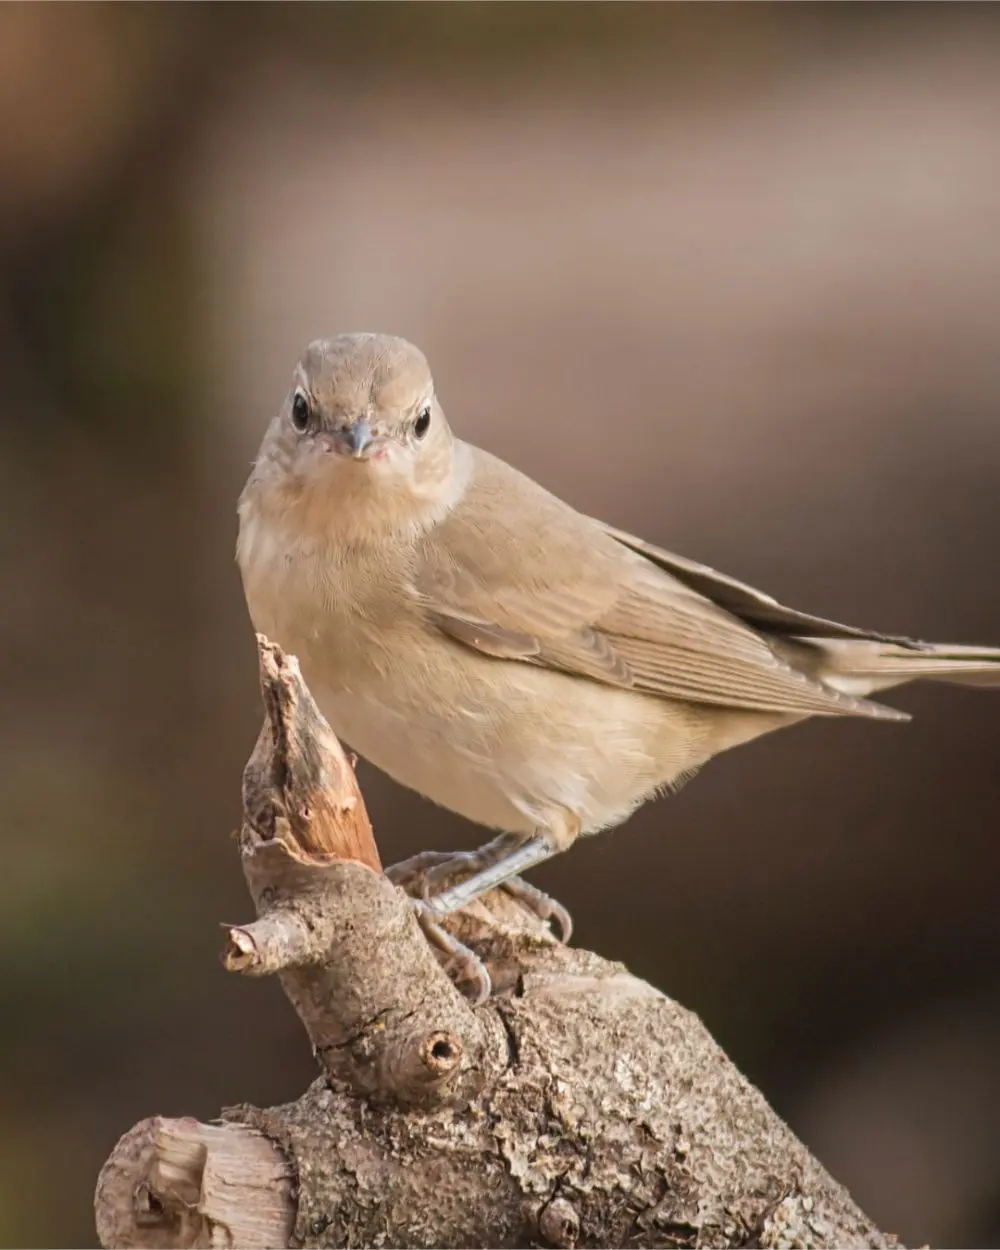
{"x":340,"y":609}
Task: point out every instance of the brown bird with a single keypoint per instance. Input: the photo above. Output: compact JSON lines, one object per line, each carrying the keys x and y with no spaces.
{"x":482,"y":642}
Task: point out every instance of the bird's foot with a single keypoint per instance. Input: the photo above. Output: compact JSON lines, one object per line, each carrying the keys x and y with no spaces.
{"x":548,"y":909}
{"x":433,"y":876}
{"x":449,"y":871}
{"x":463,"y":966}
{"x":413,"y":874}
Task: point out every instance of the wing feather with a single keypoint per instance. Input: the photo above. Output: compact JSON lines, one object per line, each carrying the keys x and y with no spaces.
{"x":743,"y":601}
{"x":516,"y":574}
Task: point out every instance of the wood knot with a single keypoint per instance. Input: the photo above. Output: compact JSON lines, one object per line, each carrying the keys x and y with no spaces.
{"x":559,"y":1223}
{"x":440,"y":1053}
{"x":419,"y":1068}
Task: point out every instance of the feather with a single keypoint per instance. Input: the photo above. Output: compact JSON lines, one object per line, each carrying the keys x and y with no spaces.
{"x":541,"y":584}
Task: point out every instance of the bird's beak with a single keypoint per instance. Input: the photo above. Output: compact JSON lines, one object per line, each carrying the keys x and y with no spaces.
{"x":354,"y":439}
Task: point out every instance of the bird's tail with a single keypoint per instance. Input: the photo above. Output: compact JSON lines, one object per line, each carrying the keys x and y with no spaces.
{"x":860,"y":668}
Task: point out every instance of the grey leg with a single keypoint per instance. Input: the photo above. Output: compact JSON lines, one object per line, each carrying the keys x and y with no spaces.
{"x":429,"y":876}
{"x":492,"y":865}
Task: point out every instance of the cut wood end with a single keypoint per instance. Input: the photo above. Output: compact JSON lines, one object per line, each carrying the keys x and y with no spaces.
{"x":240,"y":954}
{"x":179,"y":1183}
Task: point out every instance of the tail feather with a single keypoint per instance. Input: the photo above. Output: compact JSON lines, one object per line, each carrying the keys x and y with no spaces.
{"x":860,"y":668}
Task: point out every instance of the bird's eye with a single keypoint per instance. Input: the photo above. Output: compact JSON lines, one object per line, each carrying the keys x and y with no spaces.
{"x":422,"y":422}
{"x":300,"y":411}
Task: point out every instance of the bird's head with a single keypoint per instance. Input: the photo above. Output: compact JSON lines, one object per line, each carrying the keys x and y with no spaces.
{"x":360,"y":439}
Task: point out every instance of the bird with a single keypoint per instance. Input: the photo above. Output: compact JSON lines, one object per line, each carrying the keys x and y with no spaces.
{"x":514,"y":660}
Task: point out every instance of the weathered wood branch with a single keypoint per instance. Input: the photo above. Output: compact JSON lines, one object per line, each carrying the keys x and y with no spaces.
{"x":378,"y":1009}
{"x":579,"y":1106}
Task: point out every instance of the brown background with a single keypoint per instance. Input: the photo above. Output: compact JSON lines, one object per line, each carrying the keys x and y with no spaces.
{"x":726,"y":276}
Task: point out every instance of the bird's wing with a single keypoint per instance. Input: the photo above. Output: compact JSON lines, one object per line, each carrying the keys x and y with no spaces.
{"x":752,"y":606}
{"x":517,"y":574}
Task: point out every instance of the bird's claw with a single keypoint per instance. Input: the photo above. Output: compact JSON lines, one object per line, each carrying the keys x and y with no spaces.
{"x":412,"y":875}
{"x":544,"y":906}
{"x":463,"y":966}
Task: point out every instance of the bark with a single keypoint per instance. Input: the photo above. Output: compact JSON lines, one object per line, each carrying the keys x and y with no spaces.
{"x":578,"y":1107}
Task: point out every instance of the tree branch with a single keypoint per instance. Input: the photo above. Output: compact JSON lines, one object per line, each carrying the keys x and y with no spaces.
{"x":578,"y":1107}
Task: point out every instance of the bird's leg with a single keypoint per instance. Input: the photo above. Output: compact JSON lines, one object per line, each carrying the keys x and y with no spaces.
{"x":488,"y":868}
{"x":492,"y":866}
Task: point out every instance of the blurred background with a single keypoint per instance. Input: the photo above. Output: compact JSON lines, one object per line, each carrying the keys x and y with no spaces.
{"x":726,"y":276}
